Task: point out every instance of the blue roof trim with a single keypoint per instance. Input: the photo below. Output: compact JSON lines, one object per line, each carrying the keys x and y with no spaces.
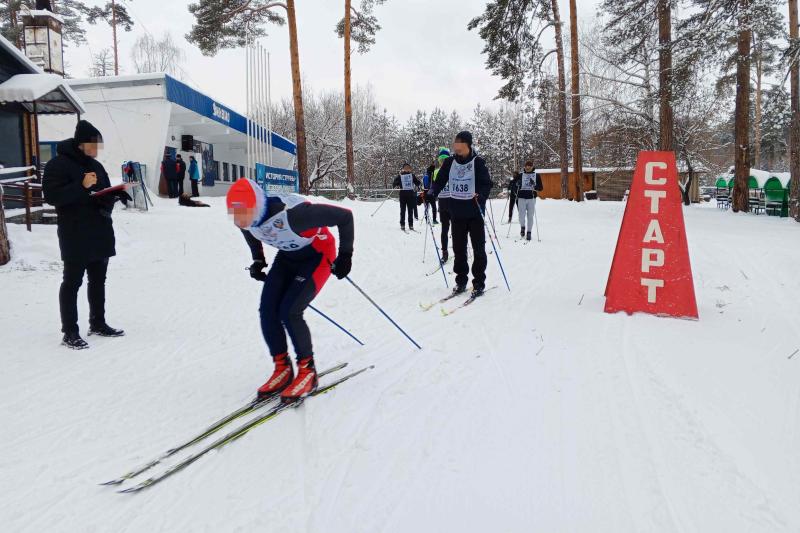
{"x":181,"y":94}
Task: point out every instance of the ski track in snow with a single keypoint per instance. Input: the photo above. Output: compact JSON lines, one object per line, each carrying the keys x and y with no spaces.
{"x":529,"y":411}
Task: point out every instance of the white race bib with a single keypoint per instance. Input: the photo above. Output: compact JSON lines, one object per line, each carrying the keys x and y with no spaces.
{"x":276,"y":232}
{"x":407,"y":182}
{"x":462,"y":180}
{"x":528,"y":181}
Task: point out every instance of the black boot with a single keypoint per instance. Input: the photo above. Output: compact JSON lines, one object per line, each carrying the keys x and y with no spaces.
{"x":106,"y":331}
{"x":458,"y":289}
{"x":528,"y":236}
{"x":477,"y":292}
{"x":522,"y":231}
{"x":74,"y":341}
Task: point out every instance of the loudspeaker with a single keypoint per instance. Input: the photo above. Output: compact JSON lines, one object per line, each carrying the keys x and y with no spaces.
{"x":187,"y":143}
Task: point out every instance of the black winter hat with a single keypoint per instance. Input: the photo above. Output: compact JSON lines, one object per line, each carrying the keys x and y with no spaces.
{"x":86,"y":133}
{"x":464,"y":137}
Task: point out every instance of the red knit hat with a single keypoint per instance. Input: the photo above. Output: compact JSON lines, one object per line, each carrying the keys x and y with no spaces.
{"x":246,"y":194}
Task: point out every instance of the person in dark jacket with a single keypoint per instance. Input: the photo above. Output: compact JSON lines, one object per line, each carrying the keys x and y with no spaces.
{"x":406,"y":181}
{"x":428,"y":198}
{"x":470,"y":184}
{"x":194,"y":175}
{"x":527,"y":183}
{"x":170,"y":171}
{"x":443,"y":199}
{"x":85,"y":230}
{"x":180,"y":168}
{"x":307,"y":256}
{"x":513,"y":190}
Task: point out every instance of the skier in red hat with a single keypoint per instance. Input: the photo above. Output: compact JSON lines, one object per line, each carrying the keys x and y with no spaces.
{"x":306,"y":257}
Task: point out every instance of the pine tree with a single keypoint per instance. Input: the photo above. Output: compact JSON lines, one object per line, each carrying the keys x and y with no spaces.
{"x":358,"y":25}
{"x":223,"y":24}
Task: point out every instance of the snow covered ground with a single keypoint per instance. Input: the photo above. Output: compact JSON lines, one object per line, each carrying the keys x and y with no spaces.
{"x":530,"y":411}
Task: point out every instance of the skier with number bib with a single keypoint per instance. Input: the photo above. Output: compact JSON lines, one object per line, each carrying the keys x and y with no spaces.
{"x":527,"y":183}
{"x":306,"y":257}
{"x":469,"y":184}
{"x":406,"y":181}
{"x":444,"y":202}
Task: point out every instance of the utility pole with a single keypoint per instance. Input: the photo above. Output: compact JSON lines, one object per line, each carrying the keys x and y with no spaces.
{"x":114,"y":31}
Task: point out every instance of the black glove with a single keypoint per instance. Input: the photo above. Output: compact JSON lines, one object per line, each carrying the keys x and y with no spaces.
{"x":342,"y":266}
{"x":105,"y":201}
{"x":257,"y":270}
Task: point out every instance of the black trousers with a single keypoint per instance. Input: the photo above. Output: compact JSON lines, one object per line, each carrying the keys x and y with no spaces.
{"x":180,"y":186}
{"x":444,"y":217}
{"x":472,"y":229}
{"x":430,"y":201}
{"x":407,"y":205}
{"x":172,"y":188}
{"x":68,"y":293}
{"x":195,"y":192}
{"x":289,"y":289}
{"x":512,"y":201}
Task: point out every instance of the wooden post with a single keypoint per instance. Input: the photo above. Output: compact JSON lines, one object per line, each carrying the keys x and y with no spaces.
{"x":794,"y":161}
{"x":297,"y":94}
{"x":348,"y":106}
{"x":577,"y":157}
{"x":742,"y":114}
{"x":27,"y":189}
{"x":114,"y":31}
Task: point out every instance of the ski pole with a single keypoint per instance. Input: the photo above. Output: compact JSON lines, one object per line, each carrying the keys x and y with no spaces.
{"x":383,"y":202}
{"x":499,"y":262}
{"x":365,"y":295}
{"x":332,"y":321}
{"x":491,"y":217}
{"x":438,"y":255}
{"x":505,"y":206}
{"x":425,"y":247}
{"x":536,"y":219}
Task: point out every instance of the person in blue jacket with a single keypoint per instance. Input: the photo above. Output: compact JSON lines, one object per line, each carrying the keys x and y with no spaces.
{"x":194,"y":175}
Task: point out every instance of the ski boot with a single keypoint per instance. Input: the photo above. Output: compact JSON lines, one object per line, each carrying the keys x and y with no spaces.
{"x":458,"y":289}
{"x":304,"y":384}
{"x":105,"y":330}
{"x":445,"y":257}
{"x":280,"y":378}
{"x":74,"y":341}
{"x":477,"y":292}
{"x":528,"y":236}
{"x":522,"y":231}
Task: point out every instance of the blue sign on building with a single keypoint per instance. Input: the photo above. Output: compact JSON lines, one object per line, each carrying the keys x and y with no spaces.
{"x":275,"y":179}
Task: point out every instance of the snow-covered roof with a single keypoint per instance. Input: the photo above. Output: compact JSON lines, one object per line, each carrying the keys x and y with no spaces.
{"x":42,"y":13}
{"x":125,"y":79}
{"x":50,"y":92}
{"x":14,"y":170}
{"x":763,"y":176}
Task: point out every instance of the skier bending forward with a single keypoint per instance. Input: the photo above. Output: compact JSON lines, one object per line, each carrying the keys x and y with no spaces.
{"x":306,"y":258}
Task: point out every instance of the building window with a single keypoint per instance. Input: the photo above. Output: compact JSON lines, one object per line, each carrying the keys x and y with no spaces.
{"x":225,"y":175}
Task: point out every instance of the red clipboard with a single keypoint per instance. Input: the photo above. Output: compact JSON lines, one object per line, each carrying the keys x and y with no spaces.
{"x":109,"y":190}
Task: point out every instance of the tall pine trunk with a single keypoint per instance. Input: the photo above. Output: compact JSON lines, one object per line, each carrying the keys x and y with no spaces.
{"x":666,"y":122}
{"x":348,"y":105}
{"x":114,"y":34}
{"x":562,"y":103}
{"x":742,"y":114}
{"x":757,"y":57}
{"x":577,"y":157}
{"x":297,"y":93}
{"x":794,"y":162}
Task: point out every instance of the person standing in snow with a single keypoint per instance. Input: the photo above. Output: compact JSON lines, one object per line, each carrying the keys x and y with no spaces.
{"x":513,"y":190}
{"x":470,"y":184}
{"x":306,"y":258}
{"x":406,"y":181}
{"x":194,"y":176}
{"x":443,"y":199}
{"x":85,"y":230}
{"x":427,"y":198}
{"x":169,"y":169}
{"x":527,"y":183}
{"x":180,"y":168}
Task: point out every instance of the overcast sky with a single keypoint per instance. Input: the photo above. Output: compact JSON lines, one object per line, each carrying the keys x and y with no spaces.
{"x":424,"y":56}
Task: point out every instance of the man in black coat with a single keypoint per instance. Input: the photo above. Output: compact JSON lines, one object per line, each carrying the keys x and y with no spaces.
{"x":180,"y":167}
{"x":85,"y":231}
{"x":470,"y":185}
{"x":170,"y":170}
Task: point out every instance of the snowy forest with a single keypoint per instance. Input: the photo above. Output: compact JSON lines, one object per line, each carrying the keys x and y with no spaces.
{"x":708,"y":80}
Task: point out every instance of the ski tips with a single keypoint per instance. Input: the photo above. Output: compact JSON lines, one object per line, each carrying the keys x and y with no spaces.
{"x":118,"y":481}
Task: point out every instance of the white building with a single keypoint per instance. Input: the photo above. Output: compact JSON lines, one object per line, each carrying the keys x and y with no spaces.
{"x":143,"y":116}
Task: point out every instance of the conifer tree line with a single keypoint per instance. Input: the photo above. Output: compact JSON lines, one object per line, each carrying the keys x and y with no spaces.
{"x":714,"y":81}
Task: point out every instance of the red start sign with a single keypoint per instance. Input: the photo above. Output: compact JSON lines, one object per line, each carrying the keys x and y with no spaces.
{"x":651,"y":272}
